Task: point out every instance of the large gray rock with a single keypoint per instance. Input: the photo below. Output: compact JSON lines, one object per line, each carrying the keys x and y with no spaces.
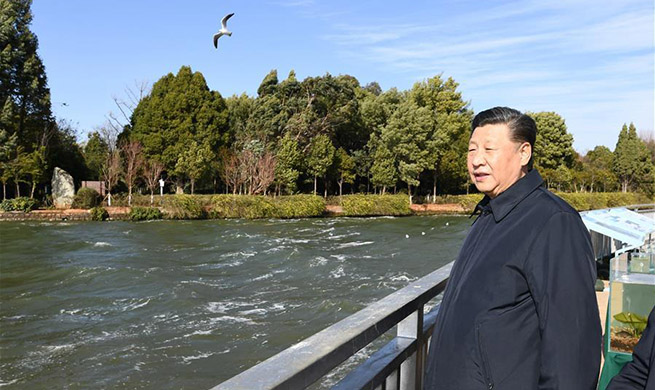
{"x":63,"y":189}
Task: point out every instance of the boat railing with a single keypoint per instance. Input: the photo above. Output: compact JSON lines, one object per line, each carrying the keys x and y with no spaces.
{"x":398,"y":365}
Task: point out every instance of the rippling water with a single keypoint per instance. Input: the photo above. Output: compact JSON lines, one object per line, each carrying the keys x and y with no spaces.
{"x":175,"y":304}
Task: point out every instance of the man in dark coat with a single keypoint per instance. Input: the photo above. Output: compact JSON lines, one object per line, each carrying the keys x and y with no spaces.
{"x":520,"y":310}
{"x":639,"y":374}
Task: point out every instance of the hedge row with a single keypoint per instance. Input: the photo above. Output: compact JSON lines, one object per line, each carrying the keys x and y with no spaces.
{"x":19,"y":204}
{"x":600,"y":200}
{"x":371,"y":205}
{"x":254,"y":207}
{"x":581,"y":201}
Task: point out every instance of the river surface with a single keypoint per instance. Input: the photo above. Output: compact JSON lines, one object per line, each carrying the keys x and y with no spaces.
{"x":189,"y":304}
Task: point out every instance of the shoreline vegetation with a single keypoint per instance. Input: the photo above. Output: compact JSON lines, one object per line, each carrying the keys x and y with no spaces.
{"x":190,"y":207}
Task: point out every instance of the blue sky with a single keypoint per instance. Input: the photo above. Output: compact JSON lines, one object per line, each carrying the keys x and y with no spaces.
{"x":591,"y":61}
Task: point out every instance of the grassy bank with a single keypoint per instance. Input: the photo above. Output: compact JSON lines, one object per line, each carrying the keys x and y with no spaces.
{"x":296,"y":206}
{"x":373,"y":205}
{"x":581,"y":201}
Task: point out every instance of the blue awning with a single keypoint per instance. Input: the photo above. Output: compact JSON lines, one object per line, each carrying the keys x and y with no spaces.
{"x":620,"y":224}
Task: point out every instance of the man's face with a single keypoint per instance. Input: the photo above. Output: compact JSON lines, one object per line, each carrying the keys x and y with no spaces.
{"x":494,"y":161}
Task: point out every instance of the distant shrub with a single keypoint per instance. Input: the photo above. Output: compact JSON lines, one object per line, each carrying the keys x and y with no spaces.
{"x":255,"y":206}
{"x":144,"y":213}
{"x":579,"y":202}
{"x":86,"y":198}
{"x":19,"y":204}
{"x":298,"y":206}
{"x":371,"y":205}
{"x":468,"y":202}
{"x":184,"y":207}
{"x":582,"y":201}
{"x":99,"y":214}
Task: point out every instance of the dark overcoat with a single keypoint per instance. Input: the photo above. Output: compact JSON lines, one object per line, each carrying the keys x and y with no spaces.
{"x":519,"y":311}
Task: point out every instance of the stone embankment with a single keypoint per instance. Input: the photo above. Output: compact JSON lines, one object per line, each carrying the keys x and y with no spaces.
{"x":115,"y":213}
{"x":122,"y":213}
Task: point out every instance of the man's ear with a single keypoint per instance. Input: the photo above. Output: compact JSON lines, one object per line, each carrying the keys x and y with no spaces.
{"x":525,"y":150}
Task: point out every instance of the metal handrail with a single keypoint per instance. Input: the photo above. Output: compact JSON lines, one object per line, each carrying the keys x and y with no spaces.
{"x":302,"y":364}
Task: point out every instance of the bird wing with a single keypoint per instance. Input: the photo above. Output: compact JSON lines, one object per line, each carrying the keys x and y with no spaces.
{"x":224,"y":21}
{"x":216,"y":36}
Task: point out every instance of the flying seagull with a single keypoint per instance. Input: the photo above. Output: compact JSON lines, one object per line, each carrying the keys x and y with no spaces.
{"x":223,"y":30}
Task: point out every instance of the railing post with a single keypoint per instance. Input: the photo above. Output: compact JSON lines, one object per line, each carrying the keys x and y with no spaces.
{"x":391,"y":382}
{"x":411,"y":370}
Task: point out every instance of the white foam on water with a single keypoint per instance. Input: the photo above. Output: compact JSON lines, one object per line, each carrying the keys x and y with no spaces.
{"x":71,"y":312}
{"x":280,"y":306}
{"x":318,"y":261}
{"x":100,"y":244}
{"x":233,"y":319}
{"x":189,"y":359}
{"x":263,"y":277}
{"x":402,"y":278}
{"x":129,"y":304}
{"x":354,"y":244}
{"x":254,"y":311}
{"x":14,"y":318}
{"x":224,"y":307}
{"x":2,"y":383}
{"x":339,"y":257}
{"x":57,"y":348}
{"x":199,"y":333}
{"x":337,"y":273}
{"x":331,"y":237}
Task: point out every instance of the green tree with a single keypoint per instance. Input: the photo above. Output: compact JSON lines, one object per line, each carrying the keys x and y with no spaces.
{"x":554,"y":145}
{"x":95,"y":155}
{"x":24,"y":92}
{"x":407,"y":135}
{"x":383,"y":169}
{"x":363,"y":162}
{"x":631,"y":159}
{"x":239,"y":109}
{"x":8,"y":145}
{"x":179,"y":110}
{"x":268,"y":86}
{"x":34,"y":165}
{"x":194,"y":162}
{"x":320,"y":158}
{"x":289,"y":159}
{"x":345,"y":166}
{"x":451,"y":119}
{"x":15,"y":168}
{"x":598,"y":164}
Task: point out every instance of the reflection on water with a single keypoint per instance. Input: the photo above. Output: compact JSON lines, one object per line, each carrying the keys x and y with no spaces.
{"x":180,"y":304}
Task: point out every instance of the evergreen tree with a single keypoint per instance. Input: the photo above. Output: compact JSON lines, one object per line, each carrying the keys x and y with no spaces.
{"x":383,"y":169}
{"x":632,"y":163}
{"x":194,"y":162}
{"x":554,"y":145}
{"x":345,"y":166}
{"x":451,"y":119}
{"x":24,"y":93}
{"x":407,"y":135}
{"x":289,"y":159}
{"x":95,"y":155}
{"x":320,"y":158}
{"x":598,"y":164}
{"x":8,"y":145}
{"x":179,"y":110}
{"x":268,"y":85}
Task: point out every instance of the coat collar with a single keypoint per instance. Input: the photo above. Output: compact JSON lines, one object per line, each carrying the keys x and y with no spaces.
{"x":501,"y":205}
